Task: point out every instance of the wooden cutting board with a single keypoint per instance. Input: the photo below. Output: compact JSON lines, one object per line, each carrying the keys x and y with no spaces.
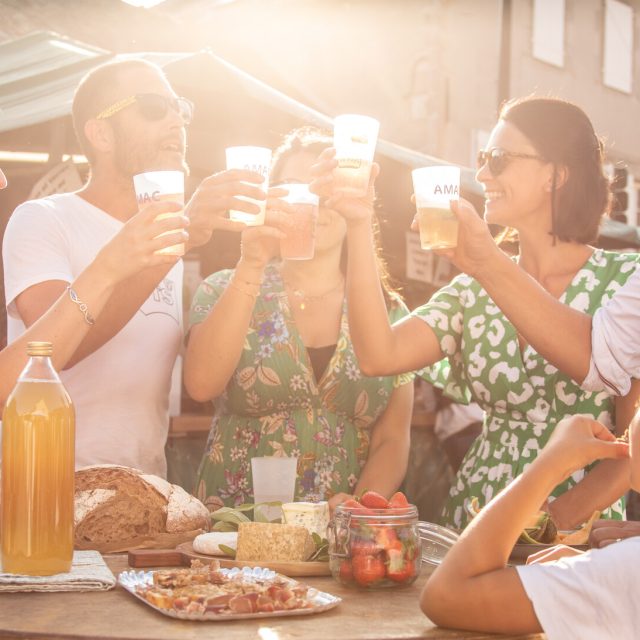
{"x":184,"y":553}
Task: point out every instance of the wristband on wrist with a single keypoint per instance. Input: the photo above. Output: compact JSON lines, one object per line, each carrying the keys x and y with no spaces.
{"x":88,"y":318}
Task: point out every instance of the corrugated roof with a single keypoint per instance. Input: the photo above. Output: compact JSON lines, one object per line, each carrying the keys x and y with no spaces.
{"x":39,"y":73}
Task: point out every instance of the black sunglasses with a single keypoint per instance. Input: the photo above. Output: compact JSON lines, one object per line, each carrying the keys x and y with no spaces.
{"x":498,"y":159}
{"x":152,"y":106}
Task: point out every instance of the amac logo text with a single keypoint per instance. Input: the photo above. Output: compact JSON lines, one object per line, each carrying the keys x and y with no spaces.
{"x":257,"y":168}
{"x":446,"y":190}
{"x":146,"y":198}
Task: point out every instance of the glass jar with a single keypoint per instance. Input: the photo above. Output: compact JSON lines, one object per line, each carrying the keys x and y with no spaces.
{"x":374,"y":548}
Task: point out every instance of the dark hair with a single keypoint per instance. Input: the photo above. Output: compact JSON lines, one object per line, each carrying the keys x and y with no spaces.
{"x":562,"y":134}
{"x":98,"y":90}
{"x":313,"y":140}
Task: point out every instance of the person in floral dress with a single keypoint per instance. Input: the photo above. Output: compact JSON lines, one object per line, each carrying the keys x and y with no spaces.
{"x":270,"y":344}
{"x":543,"y":177}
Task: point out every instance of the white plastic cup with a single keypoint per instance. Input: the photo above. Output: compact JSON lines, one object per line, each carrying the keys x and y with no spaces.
{"x":156,"y":186}
{"x":354,"y":138}
{"x":256,"y":159}
{"x":274,"y":479}
{"x":300,"y":233}
{"x":434,"y":188}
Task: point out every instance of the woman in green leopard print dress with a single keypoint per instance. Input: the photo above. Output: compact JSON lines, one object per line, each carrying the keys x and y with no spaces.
{"x":543,"y":177}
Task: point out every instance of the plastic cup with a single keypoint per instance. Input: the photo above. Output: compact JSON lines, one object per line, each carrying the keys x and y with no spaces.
{"x":256,"y":159}
{"x":354,"y":138}
{"x":434,"y":188}
{"x":300,"y":233}
{"x":274,"y":479}
{"x":156,"y":186}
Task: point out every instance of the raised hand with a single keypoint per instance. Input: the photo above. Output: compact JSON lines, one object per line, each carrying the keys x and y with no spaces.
{"x":476,"y":248}
{"x":578,"y":441}
{"x":207,"y":208}
{"x":260,"y":244}
{"x":353,"y":210}
{"x":136,"y":245}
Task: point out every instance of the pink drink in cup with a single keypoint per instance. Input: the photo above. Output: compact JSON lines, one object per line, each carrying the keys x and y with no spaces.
{"x":300,"y":233}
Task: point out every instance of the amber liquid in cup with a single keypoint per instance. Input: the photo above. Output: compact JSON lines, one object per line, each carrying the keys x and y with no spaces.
{"x":351,"y":177}
{"x":438,"y":227}
{"x":174,"y":249}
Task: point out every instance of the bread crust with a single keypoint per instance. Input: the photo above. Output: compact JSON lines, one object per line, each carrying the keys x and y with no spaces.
{"x":119,"y":507}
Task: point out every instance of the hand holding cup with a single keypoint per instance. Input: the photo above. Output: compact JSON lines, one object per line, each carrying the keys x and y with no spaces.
{"x":139,"y":244}
{"x":216,"y":195}
{"x":353,"y":210}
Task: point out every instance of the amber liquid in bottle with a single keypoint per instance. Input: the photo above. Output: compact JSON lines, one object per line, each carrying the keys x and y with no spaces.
{"x":38,"y":452}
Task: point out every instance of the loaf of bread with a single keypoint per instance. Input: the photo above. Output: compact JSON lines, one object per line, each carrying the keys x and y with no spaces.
{"x":119,"y":508}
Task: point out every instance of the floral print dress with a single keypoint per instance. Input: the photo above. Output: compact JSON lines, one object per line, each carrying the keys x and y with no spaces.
{"x":523,"y":396}
{"x":273,"y":405}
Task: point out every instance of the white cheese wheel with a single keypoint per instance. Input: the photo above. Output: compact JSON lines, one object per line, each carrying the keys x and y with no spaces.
{"x":209,"y":543}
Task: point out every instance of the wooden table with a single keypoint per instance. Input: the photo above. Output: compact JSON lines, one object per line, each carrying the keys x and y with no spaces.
{"x":375,"y":615}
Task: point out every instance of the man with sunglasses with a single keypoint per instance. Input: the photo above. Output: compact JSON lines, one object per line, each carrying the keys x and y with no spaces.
{"x":128,"y":120}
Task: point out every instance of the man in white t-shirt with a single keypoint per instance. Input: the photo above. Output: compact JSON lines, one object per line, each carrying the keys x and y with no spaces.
{"x":581,"y":596}
{"x":128,"y":120}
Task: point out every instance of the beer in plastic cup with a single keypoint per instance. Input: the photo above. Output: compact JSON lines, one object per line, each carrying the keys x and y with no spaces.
{"x":300,"y":233}
{"x":354,"y":138}
{"x":274,"y":479}
{"x":257,"y":159}
{"x":155,"y":186}
{"x":434,"y":188}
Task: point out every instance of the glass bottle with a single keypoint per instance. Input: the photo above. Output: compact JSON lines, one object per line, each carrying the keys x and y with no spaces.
{"x":38,"y":454}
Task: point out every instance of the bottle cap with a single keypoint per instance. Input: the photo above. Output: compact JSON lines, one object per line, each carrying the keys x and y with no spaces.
{"x":39,"y":348}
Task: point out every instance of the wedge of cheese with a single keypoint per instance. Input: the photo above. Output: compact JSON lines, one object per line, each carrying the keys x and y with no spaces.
{"x":268,"y":541}
{"x":313,"y":516}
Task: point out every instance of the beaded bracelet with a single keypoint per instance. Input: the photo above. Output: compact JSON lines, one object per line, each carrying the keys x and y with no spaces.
{"x":81,"y":305}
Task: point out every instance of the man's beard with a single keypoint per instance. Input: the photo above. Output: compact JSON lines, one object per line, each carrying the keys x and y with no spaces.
{"x":132,"y":159}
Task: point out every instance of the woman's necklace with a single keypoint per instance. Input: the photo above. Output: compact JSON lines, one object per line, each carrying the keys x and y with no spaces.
{"x":303,"y":298}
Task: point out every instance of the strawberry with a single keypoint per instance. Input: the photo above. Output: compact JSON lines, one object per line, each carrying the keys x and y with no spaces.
{"x":368,"y":570}
{"x":350,"y":503}
{"x":398,"y":500}
{"x":373,"y":500}
{"x":386,"y":537}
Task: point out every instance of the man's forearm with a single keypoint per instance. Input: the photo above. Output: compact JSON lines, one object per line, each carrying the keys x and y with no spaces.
{"x":558,"y":333}
{"x":121,"y":306}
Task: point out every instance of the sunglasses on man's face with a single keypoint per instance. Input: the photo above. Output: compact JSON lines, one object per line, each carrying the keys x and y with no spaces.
{"x":152,"y":107}
{"x":498,"y":159}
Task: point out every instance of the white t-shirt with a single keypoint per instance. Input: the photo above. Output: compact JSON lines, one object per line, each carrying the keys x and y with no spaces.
{"x":615,"y":341}
{"x":593,"y":596}
{"x":121,"y":391}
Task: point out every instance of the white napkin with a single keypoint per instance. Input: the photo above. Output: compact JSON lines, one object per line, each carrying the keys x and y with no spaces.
{"x":89,"y":572}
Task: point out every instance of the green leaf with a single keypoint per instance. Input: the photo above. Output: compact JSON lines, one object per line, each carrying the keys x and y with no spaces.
{"x":321,"y":554}
{"x":258,"y":516}
{"x":245,"y":506}
{"x":228,"y":551}
{"x":226,"y":514}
